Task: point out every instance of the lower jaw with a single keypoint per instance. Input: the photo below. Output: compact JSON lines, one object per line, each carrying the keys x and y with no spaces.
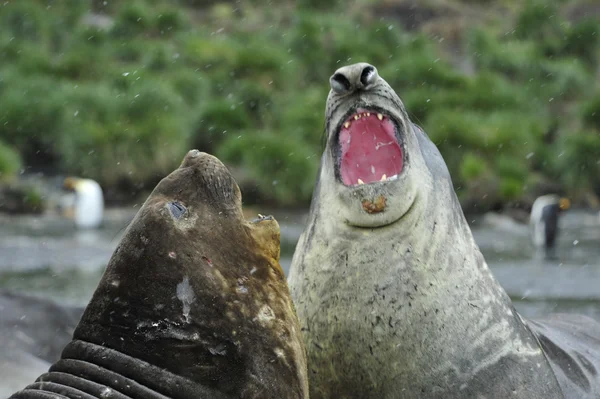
{"x":373,"y":223}
{"x":389,"y":170}
{"x":371,"y":212}
{"x":374,"y":205}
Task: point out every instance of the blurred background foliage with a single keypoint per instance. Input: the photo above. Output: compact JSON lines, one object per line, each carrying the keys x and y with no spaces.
{"x":119,"y":90}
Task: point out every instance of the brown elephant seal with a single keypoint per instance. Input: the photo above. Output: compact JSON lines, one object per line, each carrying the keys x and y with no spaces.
{"x":393,"y":295}
{"x":193,"y":304}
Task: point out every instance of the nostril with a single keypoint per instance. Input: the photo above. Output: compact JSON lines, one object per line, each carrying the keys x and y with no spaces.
{"x":194,"y":153}
{"x":262,"y":217}
{"x":177,"y":209}
{"x":368,"y":75}
{"x":339,"y":83}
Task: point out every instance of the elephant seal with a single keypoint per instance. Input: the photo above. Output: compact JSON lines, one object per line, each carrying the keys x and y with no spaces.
{"x":544,"y":223}
{"x":193,"y":304}
{"x":393,"y":295}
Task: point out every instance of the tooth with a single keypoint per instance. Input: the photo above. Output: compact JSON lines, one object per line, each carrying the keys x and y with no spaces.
{"x":261,"y":216}
{"x":384,"y":177}
{"x":360,"y":181}
{"x":356,"y":117}
{"x":347,"y":125}
{"x":368,"y":114}
{"x":393,"y":177}
{"x":380,"y":117}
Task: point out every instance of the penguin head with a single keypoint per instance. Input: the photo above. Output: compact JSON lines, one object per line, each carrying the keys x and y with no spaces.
{"x":70,"y":183}
{"x":564,"y":204}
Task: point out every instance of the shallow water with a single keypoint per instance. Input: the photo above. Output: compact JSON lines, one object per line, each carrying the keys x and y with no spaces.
{"x":47,"y":257}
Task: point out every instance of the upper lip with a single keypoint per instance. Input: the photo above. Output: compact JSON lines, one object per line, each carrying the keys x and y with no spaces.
{"x":363,"y":108}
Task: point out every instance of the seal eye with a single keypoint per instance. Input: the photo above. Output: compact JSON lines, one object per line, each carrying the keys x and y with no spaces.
{"x":177,"y":209}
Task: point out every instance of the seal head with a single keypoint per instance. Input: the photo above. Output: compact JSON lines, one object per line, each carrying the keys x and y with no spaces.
{"x":393,"y":295}
{"x":371,"y":149}
{"x":193,"y":302}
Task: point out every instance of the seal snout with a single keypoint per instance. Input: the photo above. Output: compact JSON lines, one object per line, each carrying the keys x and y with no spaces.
{"x":354,"y":77}
{"x":202,"y":179}
{"x":208,"y":166}
{"x":196,"y":157}
{"x":367,"y":140}
{"x":195,"y":153}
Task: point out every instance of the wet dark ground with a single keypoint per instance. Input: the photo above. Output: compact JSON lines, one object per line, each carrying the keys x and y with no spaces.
{"x":47,"y":257}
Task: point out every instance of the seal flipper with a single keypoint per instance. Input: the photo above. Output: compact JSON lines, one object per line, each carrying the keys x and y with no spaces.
{"x":572,"y":345}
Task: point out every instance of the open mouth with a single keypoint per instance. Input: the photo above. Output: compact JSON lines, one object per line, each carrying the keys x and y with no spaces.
{"x":369,"y":149}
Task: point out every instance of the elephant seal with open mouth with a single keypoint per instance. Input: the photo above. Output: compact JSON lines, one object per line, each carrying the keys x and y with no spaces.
{"x":393,"y":295}
{"x":193,"y":304}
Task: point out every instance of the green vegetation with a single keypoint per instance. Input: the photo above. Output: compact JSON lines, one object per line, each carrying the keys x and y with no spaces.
{"x":119,"y":91}
{"x":10,"y":162}
{"x":20,"y":197}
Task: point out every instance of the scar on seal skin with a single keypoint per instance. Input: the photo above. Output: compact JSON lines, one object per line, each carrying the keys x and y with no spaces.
{"x":193,"y":304}
{"x":374,"y":206}
{"x":400,"y":303}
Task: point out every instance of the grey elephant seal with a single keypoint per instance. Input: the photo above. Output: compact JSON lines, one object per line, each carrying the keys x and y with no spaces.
{"x":393,"y":295}
{"x":193,"y":304}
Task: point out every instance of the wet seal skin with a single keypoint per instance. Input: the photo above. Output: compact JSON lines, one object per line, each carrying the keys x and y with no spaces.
{"x":193,"y":304}
{"x":400,"y":303}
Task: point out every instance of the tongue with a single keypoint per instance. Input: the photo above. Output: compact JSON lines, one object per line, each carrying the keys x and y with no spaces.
{"x":369,"y":150}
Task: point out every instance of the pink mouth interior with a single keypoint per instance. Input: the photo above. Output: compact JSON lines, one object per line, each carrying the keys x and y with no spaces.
{"x":369,"y":149}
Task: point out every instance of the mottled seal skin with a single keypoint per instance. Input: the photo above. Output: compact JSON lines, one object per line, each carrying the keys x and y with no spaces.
{"x":193,"y":304}
{"x":400,"y":303}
